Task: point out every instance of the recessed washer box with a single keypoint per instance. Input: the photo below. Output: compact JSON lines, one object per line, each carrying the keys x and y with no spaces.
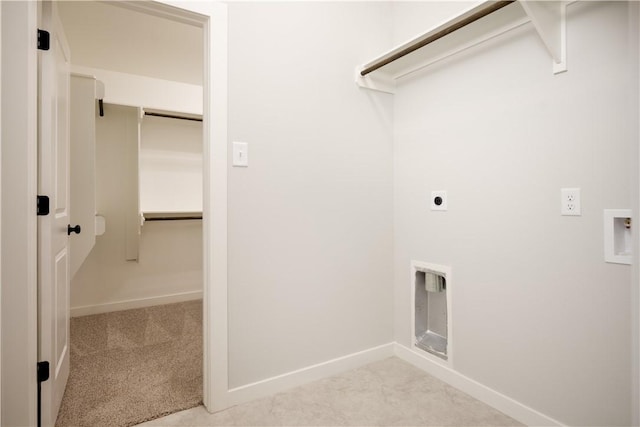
{"x":431,"y":311}
{"x":617,"y":236}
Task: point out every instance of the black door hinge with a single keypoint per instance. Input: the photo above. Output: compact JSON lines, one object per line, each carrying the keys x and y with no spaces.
{"x":43,"y":39}
{"x":43,"y":205}
{"x":42,"y":370}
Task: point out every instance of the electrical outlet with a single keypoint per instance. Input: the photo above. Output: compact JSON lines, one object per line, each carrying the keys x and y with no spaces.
{"x":570,"y":201}
{"x":439,"y":200}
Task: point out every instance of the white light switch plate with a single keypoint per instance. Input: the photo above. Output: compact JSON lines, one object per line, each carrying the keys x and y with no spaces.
{"x":240,"y":154}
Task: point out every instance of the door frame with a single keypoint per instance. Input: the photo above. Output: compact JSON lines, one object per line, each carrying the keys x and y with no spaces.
{"x":634,"y":33}
{"x":18,"y":259}
{"x":214,"y":21}
{"x":19,"y":221}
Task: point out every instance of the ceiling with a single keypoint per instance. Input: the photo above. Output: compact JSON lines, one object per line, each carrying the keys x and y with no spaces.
{"x":107,"y":36}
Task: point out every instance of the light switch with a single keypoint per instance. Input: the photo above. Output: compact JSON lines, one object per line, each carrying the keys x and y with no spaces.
{"x":240,"y":154}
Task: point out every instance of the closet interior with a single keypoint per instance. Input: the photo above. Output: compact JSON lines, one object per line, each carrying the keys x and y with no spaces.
{"x":136,"y":190}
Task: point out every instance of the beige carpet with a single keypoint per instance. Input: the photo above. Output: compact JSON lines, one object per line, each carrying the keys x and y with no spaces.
{"x":132,"y":366}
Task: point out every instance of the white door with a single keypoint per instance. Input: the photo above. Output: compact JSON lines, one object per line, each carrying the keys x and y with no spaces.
{"x":53,"y":240}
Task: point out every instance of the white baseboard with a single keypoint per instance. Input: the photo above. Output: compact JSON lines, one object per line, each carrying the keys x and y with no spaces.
{"x":86,"y":310}
{"x":502,"y":403}
{"x":306,"y":375}
{"x":326,"y":369}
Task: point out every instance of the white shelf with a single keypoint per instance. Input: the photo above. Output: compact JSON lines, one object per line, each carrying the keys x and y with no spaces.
{"x":547,"y":17}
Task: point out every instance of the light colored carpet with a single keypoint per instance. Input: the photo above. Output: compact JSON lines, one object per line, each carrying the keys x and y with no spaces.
{"x":390,"y":392}
{"x":132,"y":366}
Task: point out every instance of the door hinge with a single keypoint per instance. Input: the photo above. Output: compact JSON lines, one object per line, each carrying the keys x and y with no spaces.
{"x":43,"y":371}
{"x":43,"y":39}
{"x":43,"y":205}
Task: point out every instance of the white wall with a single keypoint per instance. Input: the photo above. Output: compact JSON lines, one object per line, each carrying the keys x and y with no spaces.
{"x":537,"y":313}
{"x":170,"y":165}
{"x":310,"y":219}
{"x":170,"y":253}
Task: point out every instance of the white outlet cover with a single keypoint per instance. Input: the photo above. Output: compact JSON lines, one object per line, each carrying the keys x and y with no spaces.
{"x":570,"y":203}
{"x":442,"y":195}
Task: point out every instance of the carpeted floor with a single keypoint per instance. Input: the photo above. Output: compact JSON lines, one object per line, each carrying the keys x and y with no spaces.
{"x":132,"y":366}
{"x":388,"y":392}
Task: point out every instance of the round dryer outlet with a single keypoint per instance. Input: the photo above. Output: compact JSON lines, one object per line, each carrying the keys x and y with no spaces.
{"x":439,"y":200}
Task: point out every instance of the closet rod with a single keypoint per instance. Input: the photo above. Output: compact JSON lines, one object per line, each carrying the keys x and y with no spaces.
{"x":171,"y":116}
{"x":448,"y":30}
{"x":172,"y":218}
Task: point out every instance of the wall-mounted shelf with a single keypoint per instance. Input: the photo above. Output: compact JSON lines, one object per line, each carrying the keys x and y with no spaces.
{"x":470,"y":28}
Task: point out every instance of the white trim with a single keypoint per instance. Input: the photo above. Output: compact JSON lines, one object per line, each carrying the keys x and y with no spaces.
{"x":87,"y":310}
{"x":19,"y":222}
{"x":491,"y":397}
{"x":306,"y":375}
{"x":0,"y":210}
{"x":215,"y":211}
{"x":213,"y":19}
{"x":634,"y":46}
{"x":279,"y":383}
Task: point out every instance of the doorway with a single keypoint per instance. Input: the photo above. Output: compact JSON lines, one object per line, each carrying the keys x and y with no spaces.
{"x":19,"y":225}
{"x":136,"y":294}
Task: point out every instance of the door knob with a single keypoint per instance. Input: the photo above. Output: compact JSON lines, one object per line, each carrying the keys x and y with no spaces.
{"x":71,"y":229}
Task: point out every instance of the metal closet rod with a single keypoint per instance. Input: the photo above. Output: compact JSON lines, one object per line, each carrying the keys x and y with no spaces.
{"x":173,"y":218}
{"x":171,"y":116}
{"x":448,"y":30}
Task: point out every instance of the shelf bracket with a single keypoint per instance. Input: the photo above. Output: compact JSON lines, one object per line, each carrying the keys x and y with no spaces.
{"x":549,"y":20}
